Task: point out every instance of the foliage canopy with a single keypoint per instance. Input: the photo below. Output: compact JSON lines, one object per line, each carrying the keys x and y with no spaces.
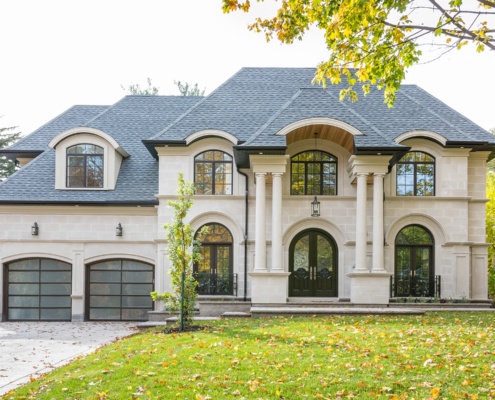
{"x":373,"y":42}
{"x":8,"y":136}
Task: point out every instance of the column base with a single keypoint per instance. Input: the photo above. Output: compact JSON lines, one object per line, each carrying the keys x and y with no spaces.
{"x":370,"y":287}
{"x":269,"y":287}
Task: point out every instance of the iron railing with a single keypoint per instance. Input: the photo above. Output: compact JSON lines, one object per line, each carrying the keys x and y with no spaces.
{"x":216,"y":284}
{"x":415,"y":287}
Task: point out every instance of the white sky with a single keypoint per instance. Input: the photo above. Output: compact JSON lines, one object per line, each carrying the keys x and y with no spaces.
{"x":57,"y":53}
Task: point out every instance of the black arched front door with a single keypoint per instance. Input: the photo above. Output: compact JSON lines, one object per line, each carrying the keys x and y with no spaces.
{"x":414,"y":269}
{"x":313,"y":265}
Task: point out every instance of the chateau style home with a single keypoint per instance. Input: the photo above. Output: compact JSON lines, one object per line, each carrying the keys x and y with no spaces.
{"x":307,"y":198}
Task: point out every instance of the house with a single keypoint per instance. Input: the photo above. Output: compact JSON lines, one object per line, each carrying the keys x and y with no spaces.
{"x":306,"y":197}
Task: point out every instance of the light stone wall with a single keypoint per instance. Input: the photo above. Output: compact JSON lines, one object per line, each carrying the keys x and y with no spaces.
{"x":455,"y":217}
{"x":77,"y":235}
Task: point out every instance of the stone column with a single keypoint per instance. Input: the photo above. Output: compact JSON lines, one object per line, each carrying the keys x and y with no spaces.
{"x":378,"y":258}
{"x":260,"y":231}
{"x":277,"y":222}
{"x":361,"y":223}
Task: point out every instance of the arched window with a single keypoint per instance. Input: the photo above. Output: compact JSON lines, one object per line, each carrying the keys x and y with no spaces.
{"x":416,"y":175}
{"x":414,"y":269}
{"x":85,"y":166}
{"x":313,"y":173}
{"x":213,"y":172}
{"x":214,"y":272}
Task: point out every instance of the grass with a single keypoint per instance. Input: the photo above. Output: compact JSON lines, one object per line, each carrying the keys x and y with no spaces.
{"x":438,"y":355}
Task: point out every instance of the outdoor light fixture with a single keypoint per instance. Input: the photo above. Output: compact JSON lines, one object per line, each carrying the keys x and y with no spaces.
{"x":315,"y":204}
{"x":118,"y":230}
{"x":315,"y":208}
{"x":34,"y":229}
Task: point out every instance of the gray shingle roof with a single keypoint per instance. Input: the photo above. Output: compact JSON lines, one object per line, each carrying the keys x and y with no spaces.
{"x":253,"y":106}
{"x":129,"y":121}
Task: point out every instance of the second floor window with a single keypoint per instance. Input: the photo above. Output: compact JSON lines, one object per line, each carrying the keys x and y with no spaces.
{"x":314,"y":173}
{"x":85,"y":166}
{"x":416,"y":175}
{"x":213,"y":173}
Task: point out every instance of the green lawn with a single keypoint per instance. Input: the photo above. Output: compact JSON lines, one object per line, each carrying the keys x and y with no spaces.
{"x":439,"y":355}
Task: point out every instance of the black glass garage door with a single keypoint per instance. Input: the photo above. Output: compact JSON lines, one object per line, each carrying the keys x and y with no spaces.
{"x":39,"y":290}
{"x":119,"y":290}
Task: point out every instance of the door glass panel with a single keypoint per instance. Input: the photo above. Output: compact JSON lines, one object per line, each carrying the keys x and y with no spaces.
{"x":137,"y":276}
{"x":105,"y":276}
{"x":324,"y":254}
{"x":137,"y":289}
{"x":55,"y":301}
{"x":104,"y":301}
{"x":24,"y":288}
{"x":56,"y":276}
{"x":105,"y":288}
{"x":136,"y":301}
{"x":112,"y":314}
{"x":403,"y":271}
{"x":24,"y":301}
{"x":134,"y":314}
{"x":20,"y":276}
{"x":301,"y":254}
{"x":223,"y":261}
{"x":24,"y":313}
{"x":56,"y":288}
{"x":58,"y":314}
{"x":204,"y":264}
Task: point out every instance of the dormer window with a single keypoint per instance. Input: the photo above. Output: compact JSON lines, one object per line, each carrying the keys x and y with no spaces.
{"x":85,"y":166}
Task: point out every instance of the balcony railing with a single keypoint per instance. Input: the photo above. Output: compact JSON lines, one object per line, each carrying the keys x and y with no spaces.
{"x":415,"y":287}
{"x":216,"y":284}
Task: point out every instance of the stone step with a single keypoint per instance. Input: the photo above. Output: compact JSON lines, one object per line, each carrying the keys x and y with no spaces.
{"x":355,"y":310}
{"x":236,"y":315}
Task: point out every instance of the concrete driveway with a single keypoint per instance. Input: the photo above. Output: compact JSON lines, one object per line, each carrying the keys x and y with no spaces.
{"x":30,"y":349}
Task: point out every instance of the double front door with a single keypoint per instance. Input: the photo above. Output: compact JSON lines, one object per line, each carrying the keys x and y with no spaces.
{"x":313,"y":265}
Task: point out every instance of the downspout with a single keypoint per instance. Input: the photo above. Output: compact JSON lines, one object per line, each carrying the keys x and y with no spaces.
{"x":245,"y":231}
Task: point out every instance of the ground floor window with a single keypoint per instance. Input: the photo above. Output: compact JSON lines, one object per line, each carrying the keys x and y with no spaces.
{"x":313,"y":265}
{"x":38,"y":289}
{"x":214,"y":272}
{"x":119,"y":290}
{"x":414,"y":266}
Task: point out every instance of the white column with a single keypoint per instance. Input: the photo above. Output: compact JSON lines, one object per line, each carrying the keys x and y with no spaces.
{"x":361,"y":223}
{"x":277,"y":222}
{"x":378,"y":259}
{"x":260,"y":231}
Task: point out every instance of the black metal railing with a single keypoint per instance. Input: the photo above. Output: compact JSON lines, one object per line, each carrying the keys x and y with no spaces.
{"x":216,"y":284}
{"x":415,"y":287}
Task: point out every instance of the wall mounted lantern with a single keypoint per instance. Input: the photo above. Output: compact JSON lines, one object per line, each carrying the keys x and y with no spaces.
{"x":34,"y":229}
{"x":118,"y":230}
{"x":315,"y":208}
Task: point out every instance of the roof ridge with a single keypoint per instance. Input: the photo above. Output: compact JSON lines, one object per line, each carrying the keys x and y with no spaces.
{"x":357,"y":115}
{"x":24,"y":138}
{"x":437,"y":115}
{"x":104,"y":112}
{"x":272,"y":118}
{"x":194,"y":106}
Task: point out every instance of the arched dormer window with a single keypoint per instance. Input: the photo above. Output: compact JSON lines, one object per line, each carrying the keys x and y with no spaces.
{"x":85,"y":166}
{"x":213,"y":173}
{"x":416,"y":175}
{"x":314,"y":173}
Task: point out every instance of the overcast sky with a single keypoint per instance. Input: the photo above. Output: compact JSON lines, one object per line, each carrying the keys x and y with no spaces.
{"x":57,"y":53}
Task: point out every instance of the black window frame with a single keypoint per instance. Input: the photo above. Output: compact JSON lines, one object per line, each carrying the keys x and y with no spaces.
{"x":214,"y":164}
{"x":415,"y":165}
{"x":85,"y":156}
{"x":306,"y":167}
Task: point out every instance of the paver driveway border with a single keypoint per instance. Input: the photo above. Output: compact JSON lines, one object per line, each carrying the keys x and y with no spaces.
{"x":30,"y":349}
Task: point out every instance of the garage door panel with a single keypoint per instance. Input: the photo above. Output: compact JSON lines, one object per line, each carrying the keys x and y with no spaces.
{"x":105,"y":288}
{"x":23,"y":276}
{"x":132,"y":314}
{"x":137,"y":289}
{"x":24,"y":314}
{"x":105,"y":276}
{"x":55,"y":301}
{"x":104,"y":301}
{"x":23,"y":288}
{"x":128,"y":276}
{"x":105,"y":314}
{"x":48,"y":314}
{"x":56,"y":289}
{"x":24,"y":301}
{"x":135,"y":301}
